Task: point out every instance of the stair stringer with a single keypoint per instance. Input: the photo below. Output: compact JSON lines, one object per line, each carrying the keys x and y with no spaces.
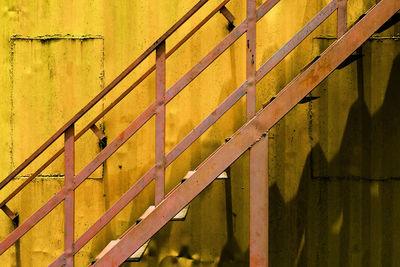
{"x":252,"y":132}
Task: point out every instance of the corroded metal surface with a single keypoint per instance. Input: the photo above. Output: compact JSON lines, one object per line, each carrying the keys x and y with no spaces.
{"x":160,"y":124}
{"x":250,"y":135}
{"x":103,"y":93}
{"x":69,"y":201}
{"x":259,"y":203}
{"x":91,"y":125}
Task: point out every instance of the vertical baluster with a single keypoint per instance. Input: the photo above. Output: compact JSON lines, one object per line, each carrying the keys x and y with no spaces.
{"x":341,"y":17}
{"x":259,"y":203}
{"x":160,"y":124}
{"x":258,"y":157}
{"x":69,"y":207}
{"x":251,"y":59}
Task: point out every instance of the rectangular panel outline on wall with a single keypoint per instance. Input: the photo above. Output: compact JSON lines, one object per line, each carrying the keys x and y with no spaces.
{"x":47,"y":37}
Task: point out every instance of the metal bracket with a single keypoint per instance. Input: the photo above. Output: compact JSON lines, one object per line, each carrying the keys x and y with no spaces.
{"x":228,"y":15}
{"x":102,"y":137}
{"x":13,"y":216}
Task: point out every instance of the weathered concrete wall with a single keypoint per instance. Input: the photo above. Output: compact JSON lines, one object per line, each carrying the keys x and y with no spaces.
{"x":333,"y":175}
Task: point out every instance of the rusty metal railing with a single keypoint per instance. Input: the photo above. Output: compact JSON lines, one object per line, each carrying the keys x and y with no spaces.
{"x":254,"y":135}
{"x":159,"y":46}
{"x":251,"y":135}
{"x":68,"y":128}
{"x":157,"y":109}
{"x":92,"y":124}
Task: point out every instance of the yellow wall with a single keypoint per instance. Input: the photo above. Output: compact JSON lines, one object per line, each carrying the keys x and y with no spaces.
{"x":333,"y":162}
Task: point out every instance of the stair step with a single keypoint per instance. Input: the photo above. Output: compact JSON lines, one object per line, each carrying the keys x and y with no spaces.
{"x":135,"y":257}
{"x":222,"y":176}
{"x":146,"y":213}
{"x":181,"y":216}
{"x":106,"y":249}
{"x":188,"y":174}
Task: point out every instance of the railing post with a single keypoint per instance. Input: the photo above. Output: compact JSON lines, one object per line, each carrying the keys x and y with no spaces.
{"x":69,"y":207}
{"x":341,"y":17}
{"x":160,"y":124}
{"x":251,"y":59}
{"x":259,"y":203}
{"x":258,"y":156}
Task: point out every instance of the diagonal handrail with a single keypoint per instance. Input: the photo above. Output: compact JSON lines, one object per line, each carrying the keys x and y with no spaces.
{"x":111,"y":105}
{"x":103,"y":93}
{"x":190,"y":138}
{"x":199,"y":129}
{"x":251,"y":132}
{"x":133,"y":127}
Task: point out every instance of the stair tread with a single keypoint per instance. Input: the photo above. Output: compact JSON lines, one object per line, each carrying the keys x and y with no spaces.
{"x":256,"y":128}
{"x":188,"y":174}
{"x":136,"y":256}
{"x":223,"y":175}
{"x":139,"y":253}
{"x":146,"y":213}
{"x":181,"y":216}
{"x":107,"y":248}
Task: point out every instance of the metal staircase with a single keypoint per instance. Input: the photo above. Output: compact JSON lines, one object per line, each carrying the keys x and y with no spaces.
{"x":251,"y":136}
{"x":181,"y":216}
